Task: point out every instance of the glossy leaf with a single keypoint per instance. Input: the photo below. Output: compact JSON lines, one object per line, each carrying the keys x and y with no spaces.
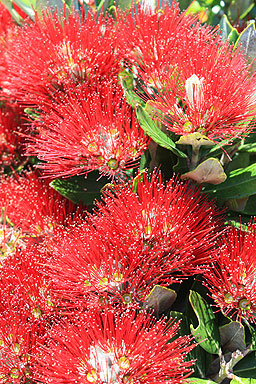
{"x":81,"y":189}
{"x":247,"y":42}
{"x":207,"y":332}
{"x":151,"y":129}
{"x":240,"y":183}
{"x":242,"y":380}
{"x":246,"y":367}
{"x":202,"y":358}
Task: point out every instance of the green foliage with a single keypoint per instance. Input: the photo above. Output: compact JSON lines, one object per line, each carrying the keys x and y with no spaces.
{"x":246,"y":367}
{"x":81,"y":189}
{"x":206,"y":333}
{"x":159,"y":137}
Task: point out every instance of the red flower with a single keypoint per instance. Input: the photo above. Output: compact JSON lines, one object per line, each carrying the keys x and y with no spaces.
{"x":88,"y":267}
{"x":231,"y":280}
{"x":174,"y":220}
{"x":56,"y":51}
{"x":6,"y":22}
{"x":32,"y":206}
{"x":20,"y":337}
{"x":89,"y":130}
{"x":200,"y":95}
{"x":24,"y":285}
{"x":152,"y":40}
{"x":113,"y":347}
{"x":194,"y":81}
{"x":10,"y":140}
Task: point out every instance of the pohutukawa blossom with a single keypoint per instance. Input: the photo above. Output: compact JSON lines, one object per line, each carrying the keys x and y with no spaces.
{"x":88,"y":267}
{"x":173,"y":219}
{"x":10,"y":140}
{"x":89,"y":130}
{"x":20,"y":337}
{"x":6,"y":22}
{"x":25,"y":287}
{"x":231,"y":280}
{"x":56,"y":51}
{"x":32,"y":206}
{"x":198,"y":94}
{"x":153,"y":39}
{"x":113,"y":347}
{"x":10,"y":240}
{"x":184,"y":71}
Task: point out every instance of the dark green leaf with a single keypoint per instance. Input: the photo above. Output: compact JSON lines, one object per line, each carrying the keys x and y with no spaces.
{"x":246,"y":367}
{"x":207,"y":332}
{"x":81,"y":189}
{"x":151,"y":129}
{"x":240,"y":183}
{"x":202,"y":358}
{"x":253,"y":337}
{"x":250,"y":147}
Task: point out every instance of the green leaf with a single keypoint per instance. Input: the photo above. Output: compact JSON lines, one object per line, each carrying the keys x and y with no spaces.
{"x":247,"y":42}
{"x":226,"y":27}
{"x":240,"y":8}
{"x":232,"y":337}
{"x":242,"y":380}
{"x":207,"y":332}
{"x":203,"y":359}
{"x":251,"y":148}
{"x":160,"y":299}
{"x":81,"y":189}
{"x":246,"y":367}
{"x":194,"y":380}
{"x":151,"y":129}
{"x":240,"y":183}
{"x":233,"y":36}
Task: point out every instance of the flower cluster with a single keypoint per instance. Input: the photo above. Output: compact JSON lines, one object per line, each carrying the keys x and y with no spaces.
{"x":231,"y":281}
{"x":194,"y":82}
{"x":91,"y":279}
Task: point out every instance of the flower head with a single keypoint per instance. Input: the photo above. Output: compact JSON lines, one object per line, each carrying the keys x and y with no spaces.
{"x":89,"y":268}
{"x":151,"y":39}
{"x":194,"y":81}
{"x":54,"y":51}
{"x":32,"y":206}
{"x":89,"y":130}
{"x":20,"y":337}
{"x":231,"y":280}
{"x":200,"y":95}
{"x":10,"y":140}
{"x":25,"y":287}
{"x":114,"y":347}
{"x":169,"y":219}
